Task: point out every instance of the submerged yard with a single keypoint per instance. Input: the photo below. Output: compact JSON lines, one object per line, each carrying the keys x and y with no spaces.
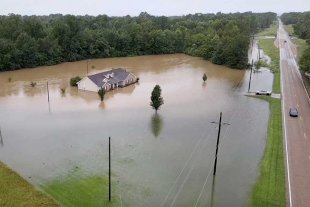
{"x":157,"y":159}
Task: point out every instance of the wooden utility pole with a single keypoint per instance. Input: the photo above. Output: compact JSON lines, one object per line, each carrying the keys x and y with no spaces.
{"x":87,"y":67}
{"x":109,"y":168}
{"x":212,"y":192}
{"x":250,"y":77}
{"x":48,"y":93}
{"x":218,"y":140}
{"x":1,"y":139}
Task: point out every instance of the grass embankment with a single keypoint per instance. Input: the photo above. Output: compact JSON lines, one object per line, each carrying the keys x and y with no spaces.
{"x":76,"y":189}
{"x":269,"y":49}
{"x":306,"y":82}
{"x":269,"y":189}
{"x":301,"y":46}
{"x":15,"y":191}
{"x":290,"y":30}
{"x":271,"y":31}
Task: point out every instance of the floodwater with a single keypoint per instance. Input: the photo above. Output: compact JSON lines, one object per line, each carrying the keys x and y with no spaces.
{"x":163,"y":159}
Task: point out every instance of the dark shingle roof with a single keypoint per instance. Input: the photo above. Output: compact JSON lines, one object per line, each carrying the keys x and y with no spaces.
{"x":119,"y":75}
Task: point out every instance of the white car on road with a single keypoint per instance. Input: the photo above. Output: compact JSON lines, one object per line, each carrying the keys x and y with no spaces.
{"x":268,"y":93}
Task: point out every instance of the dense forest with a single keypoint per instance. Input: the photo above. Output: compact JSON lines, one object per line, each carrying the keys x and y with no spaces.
{"x":30,"y":41}
{"x":301,"y":25}
{"x":300,"y":21}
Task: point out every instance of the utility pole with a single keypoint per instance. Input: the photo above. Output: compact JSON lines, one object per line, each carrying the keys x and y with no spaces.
{"x":252,"y":45}
{"x":87,"y":67}
{"x":218,"y":139}
{"x":109,"y":168}
{"x":212,"y":192}
{"x":250,"y":77}
{"x":258,"y":53}
{"x":1,"y":139}
{"x":48,"y":93}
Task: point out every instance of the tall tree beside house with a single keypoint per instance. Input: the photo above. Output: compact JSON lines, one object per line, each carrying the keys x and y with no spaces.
{"x":74,"y":80}
{"x":156,"y":98}
{"x":204,"y":78}
{"x":101,"y":93}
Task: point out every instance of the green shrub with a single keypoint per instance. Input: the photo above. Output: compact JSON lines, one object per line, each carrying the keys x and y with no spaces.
{"x":74,"y":80}
{"x":63,"y":90}
{"x":33,"y":84}
{"x":261,"y":63}
{"x":101,"y":93}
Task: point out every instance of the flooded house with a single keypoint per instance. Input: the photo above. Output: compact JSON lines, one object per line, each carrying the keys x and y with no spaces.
{"x":108,"y":80}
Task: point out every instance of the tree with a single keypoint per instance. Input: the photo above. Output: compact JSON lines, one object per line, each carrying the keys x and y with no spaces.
{"x":74,"y":80}
{"x":204,"y":78}
{"x":31,"y":41}
{"x":156,"y":99}
{"x":101,"y":93}
{"x":304,"y":61}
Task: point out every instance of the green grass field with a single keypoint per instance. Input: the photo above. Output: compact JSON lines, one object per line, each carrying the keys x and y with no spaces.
{"x":289,"y":28}
{"x":269,"y":49}
{"x":272,"y":31}
{"x":306,"y":82}
{"x":269,"y":189}
{"x":301,"y":44}
{"x":75,"y":189}
{"x":17,"y":192}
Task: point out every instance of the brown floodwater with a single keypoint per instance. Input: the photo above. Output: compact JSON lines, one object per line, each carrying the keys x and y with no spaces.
{"x":166,"y":157}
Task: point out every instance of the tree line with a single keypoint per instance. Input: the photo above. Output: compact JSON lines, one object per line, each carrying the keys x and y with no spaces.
{"x":31,"y":41}
{"x":300,"y":21}
{"x":301,"y":25}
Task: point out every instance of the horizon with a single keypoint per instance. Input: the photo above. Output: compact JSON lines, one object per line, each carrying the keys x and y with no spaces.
{"x":119,"y":8}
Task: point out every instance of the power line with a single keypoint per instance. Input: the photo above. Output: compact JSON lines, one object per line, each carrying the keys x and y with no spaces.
{"x":233,"y":94}
{"x":214,"y":160}
{"x":218,"y":139}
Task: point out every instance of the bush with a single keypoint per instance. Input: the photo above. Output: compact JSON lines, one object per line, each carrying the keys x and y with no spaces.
{"x":261,"y":63}
{"x":63,"y":90}
{"x":74,"y":80}
{"x":33,"y":84}
{"x":101,"y":93}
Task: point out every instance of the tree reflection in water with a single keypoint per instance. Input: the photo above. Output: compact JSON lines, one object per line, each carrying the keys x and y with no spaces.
{"x":156,"y":124}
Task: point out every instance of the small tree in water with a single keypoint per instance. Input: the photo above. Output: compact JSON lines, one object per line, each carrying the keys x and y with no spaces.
{"x":204,"y":78}
{"x":33,"y":84}
{"x":101,"y":93}
{"x":63,"y":90}
{"x":74,"y":80}
{"x":156,"y":99}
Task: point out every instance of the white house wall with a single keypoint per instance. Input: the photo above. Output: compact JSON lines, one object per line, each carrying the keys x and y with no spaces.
{"x":130,"y":78}
{"x":87,"y":85}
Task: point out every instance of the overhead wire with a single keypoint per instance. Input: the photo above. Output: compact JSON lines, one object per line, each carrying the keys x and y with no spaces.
{"x":233,"y":94}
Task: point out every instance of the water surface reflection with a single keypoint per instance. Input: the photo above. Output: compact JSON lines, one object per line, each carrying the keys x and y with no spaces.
{"x":75,"y":129}
{"x":156,"y":124}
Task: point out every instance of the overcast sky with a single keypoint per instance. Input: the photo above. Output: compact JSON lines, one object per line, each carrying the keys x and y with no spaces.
{"x":154,"y":7}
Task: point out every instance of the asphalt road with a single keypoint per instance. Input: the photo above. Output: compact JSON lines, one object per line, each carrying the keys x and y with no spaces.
{"x":296,"y":130}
